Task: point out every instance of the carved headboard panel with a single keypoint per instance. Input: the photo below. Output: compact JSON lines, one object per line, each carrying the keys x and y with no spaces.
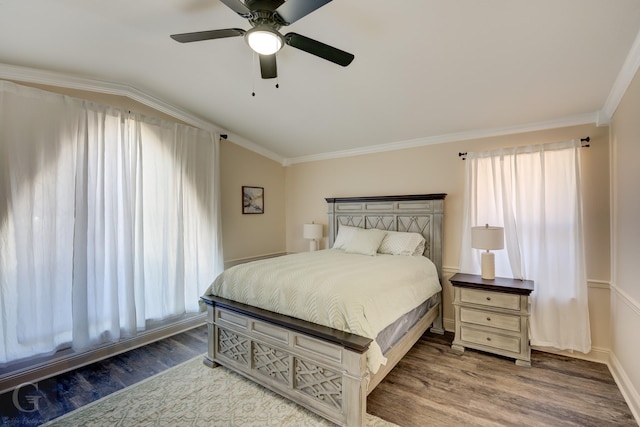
{"x":415,"y":213}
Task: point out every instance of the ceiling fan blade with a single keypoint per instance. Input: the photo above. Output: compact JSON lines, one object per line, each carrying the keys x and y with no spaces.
{"x":207,"y":35}
{"x":238,"y":7}
{"x":268,"y":67}
{"x":292,"y":10}
{"x":317,"y":48}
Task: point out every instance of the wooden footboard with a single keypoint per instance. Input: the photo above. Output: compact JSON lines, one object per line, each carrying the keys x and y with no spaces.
{"x":320,"y":368}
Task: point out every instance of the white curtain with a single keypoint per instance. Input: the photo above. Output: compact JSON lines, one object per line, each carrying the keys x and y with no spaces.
{"x":107,"y":220}
{"x":534,"y":192}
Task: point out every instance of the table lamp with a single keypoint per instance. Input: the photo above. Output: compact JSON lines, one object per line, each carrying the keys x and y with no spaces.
{"x":489,"y":238}
{"x":314,"y":232}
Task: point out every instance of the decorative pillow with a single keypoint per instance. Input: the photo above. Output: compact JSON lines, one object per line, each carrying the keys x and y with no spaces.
{"x":365,"y":242}
{"x":402,"y":243}
{"x":345,"y":233}
{"x":420,"y":249}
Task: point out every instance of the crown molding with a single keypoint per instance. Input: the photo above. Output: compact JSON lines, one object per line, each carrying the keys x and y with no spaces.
{"x":625,"y":76}
{"x":581,"y":119}
{"x":31,"y":75}
{"x":252,"y":146}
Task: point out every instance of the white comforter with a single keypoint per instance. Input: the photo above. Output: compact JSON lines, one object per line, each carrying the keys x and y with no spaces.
{"x":354,"y":293}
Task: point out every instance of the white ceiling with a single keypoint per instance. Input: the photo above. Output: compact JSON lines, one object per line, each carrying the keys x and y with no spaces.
{"x":424,"y":70}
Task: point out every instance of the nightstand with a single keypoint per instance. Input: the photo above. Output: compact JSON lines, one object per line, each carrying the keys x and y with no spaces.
{"x":492,"y":315}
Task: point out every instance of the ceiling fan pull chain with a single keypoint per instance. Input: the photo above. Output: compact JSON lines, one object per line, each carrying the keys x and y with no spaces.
{"x":277,"y":76}
{"x":253,"y":80}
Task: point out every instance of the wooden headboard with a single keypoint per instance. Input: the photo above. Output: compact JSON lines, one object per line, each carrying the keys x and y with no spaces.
{"x":420,"y":213}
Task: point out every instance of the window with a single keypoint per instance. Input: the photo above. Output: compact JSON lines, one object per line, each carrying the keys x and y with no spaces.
{"x":108,"y":220}
{"x":534,"y":193}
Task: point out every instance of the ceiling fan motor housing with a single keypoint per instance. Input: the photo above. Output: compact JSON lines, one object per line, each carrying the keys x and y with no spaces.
{"x":265,"y":17}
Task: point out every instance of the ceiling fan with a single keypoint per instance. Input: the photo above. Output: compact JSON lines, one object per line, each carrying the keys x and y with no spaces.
{"x":266,"y":18}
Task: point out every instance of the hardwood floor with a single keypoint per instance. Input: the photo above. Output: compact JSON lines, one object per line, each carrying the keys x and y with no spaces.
{"x":65,"y":392}
{"x":432,"y":386}
{"x":436,"y":386}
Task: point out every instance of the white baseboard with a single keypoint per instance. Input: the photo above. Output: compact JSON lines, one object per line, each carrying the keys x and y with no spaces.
{"x":597,"y":354}
{"x":626,"y":387}
{"x":449,"y":324}
{"x":625,"y":318}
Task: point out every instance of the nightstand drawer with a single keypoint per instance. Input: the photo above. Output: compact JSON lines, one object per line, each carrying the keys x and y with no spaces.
{"x":487,"y":318}
{"x":490,"y":339}
{"x":490,"y":299}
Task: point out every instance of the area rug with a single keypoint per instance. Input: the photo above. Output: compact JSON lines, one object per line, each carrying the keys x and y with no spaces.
{"x":192,"y":394}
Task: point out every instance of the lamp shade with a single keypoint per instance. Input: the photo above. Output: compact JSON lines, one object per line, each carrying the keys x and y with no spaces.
{"x":264,"y":40}
{"x":312,"y":231}
{"x":486,"y":237}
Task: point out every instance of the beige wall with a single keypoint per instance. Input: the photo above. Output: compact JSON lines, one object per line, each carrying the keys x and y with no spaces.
{"x":439,"y":169}
{"x":254,"y":235}
{"x":625,"y":294}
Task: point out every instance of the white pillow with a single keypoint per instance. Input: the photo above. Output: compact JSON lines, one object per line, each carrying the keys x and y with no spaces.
{"x":365,"y":242}
{"x":345,"y":233}
{"x":402,"y":243}
{"x":420,"y":249}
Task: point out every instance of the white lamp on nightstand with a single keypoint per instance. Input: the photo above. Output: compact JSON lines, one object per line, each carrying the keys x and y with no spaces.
{"x":489,"y":238}
{"x":314,"y":232}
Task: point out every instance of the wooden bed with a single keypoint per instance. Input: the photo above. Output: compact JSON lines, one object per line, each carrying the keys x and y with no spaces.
{"x":321,"y":368}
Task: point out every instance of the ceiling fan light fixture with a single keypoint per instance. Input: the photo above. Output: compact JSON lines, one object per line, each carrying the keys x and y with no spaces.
{"x":264,"y":40}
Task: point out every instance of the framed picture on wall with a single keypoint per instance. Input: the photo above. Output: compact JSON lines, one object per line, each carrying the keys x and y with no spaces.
{"x":252,"y":200}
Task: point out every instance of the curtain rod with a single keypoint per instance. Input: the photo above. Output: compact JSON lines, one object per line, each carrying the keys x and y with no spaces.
{"x":586,"y":140}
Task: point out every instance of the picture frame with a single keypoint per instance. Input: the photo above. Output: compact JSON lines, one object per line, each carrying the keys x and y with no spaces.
{"x":252,"y":200}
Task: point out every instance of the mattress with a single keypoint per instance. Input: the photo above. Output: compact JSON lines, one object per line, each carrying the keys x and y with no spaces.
{"x":354,"y":293}
{"x":390,"y":335}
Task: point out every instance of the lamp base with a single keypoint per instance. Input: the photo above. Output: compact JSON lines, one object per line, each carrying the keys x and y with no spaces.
{"x":313,"y":245}
{"x":488,"y":266}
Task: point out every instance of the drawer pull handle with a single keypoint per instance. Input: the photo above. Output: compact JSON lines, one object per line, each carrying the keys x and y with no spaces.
{"x":488,"y":298}
{"x":488,"y":338}
{"x":488,"y":319}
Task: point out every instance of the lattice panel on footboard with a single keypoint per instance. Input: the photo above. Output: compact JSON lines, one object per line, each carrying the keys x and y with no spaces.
{"x":233,"y":346}
{"x":321,"y":383}
{"x":271,"y":362}
{"x":316,"y":381}
{"x":326,"y":376}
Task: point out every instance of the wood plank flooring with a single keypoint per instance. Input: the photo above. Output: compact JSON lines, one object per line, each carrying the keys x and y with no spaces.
{"x":65,"y":392}
{"x":436,"y":386}
{"x":431,"y":386}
